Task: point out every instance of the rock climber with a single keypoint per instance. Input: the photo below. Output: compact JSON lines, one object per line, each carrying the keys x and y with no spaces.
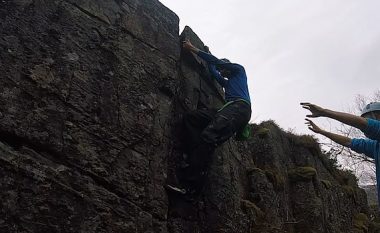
{"x":205,"y":129}
{"x":368,"y":123}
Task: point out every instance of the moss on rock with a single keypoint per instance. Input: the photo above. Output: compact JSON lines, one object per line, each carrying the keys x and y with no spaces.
{"x":361,"y":222}
{"x":251,"y":209}
{"x":307,"y":141}
{"x":262,"y":132}
{"x":302,"y":174}
{"x":255,"y":170}
{"x":349,"y":190}
{"x":277,"y":180}
{"x":326,"y":183}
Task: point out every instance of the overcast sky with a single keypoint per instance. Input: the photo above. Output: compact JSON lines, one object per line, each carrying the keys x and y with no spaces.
{"x":321,"y":51}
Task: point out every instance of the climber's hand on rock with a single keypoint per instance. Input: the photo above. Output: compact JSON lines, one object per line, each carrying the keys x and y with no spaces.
{"x":315,"y":110}
{"x":312,"y":126}
{"x":189,"y":46}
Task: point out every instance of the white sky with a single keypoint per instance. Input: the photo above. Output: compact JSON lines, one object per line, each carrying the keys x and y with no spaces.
{"x":320,"y":51}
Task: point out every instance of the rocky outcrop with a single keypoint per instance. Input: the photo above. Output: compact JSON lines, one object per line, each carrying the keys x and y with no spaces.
{"x":91,"y":99}
{"x":85,"y":102}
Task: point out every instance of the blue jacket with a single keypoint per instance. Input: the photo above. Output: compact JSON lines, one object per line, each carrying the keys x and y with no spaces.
{"x":235,"y":86}
{"x":370,"y":147}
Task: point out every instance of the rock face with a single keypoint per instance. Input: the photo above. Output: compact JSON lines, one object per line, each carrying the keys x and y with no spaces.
{"x":91,"y":98}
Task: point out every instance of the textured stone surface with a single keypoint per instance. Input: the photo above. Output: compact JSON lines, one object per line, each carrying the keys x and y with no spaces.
{"x":91,"y":99}
{"x":85,"y":102}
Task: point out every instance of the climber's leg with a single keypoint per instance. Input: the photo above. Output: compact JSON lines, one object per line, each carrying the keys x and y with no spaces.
{"x":194,"y":123}
{"x":204,"y":130}
{"x":226,"y":122}
{"x":198,"y":161}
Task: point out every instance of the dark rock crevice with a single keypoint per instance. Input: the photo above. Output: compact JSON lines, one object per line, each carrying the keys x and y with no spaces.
{"x":88,"y":13}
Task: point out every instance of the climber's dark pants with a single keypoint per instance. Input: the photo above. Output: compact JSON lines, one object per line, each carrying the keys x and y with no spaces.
{"x":205,"y":129}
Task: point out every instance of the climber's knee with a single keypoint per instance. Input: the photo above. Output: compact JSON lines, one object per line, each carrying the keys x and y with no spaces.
{"x":219,"y":131}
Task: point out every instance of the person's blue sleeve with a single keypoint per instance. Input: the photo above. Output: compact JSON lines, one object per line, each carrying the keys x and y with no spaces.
{"x":211,"y":59}
{"x":373,"y":129}
{"x":366,"y":146}
{"x":216,"y":75}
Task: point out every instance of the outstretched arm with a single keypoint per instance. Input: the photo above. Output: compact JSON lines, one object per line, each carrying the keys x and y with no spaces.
{"x":342,"y":140}
{"x":205,"y":56}
{"x":346,"y":118}
{"x":209,"y":58}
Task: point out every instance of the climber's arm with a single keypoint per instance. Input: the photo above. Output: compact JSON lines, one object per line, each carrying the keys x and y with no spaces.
{"x":366,"y":146}
{"x":342,"y":140}
{"x":346,"y":118}
{"x":211,"y":59}
{"x":190,"y":47}
{"x":373,"y":129}
{"x":217,"y":75}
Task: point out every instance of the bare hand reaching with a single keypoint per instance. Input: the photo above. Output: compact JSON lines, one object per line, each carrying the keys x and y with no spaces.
{"x":312,"y":126}
{"x":315,"y":110}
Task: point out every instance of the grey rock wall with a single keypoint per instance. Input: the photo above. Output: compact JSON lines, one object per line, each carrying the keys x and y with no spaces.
{"x":85,"y":103}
